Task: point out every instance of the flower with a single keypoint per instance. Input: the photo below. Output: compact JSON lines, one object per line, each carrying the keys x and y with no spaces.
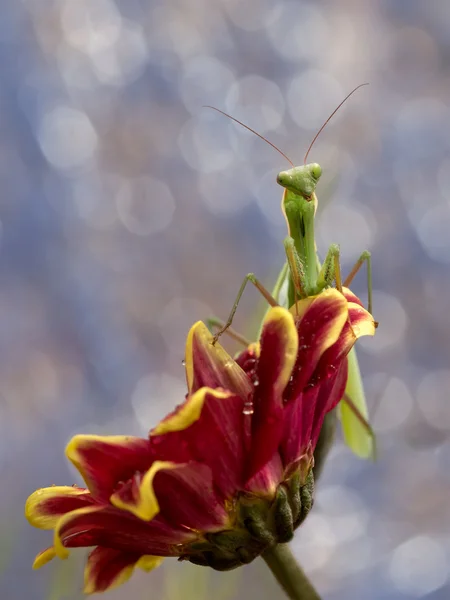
{"x":228,"y":473}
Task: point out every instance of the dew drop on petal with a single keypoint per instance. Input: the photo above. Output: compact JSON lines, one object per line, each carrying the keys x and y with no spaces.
{"x":248,"y":408}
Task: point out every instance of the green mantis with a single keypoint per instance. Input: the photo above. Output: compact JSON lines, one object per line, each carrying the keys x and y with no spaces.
{"x":303,"y":275}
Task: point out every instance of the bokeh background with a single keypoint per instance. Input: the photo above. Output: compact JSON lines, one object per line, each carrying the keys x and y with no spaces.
{"x":128,"y":211}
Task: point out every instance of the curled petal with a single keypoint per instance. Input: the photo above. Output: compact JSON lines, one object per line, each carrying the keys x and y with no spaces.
{"x":105,"y":460}
{"x":208,"y":428}
{"x":211,"y":366}
{"x":138,"y":496}
{"x":279,"y":346}
{"x":113,"y":528}
{"x":361,"y":323}
{"x":44,"y":557}
{"x":106,"y":568}
{"x":351,"y":297}
{"x":361,"y":320}
{"x":45,"y":506}
{"x":189,"y":412}
{"x":318,"y":329}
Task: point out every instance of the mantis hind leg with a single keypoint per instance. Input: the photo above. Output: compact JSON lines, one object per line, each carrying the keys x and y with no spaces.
{"x":263,"y":291}
{"x":362,"y":420}
{"x":365,"y":257}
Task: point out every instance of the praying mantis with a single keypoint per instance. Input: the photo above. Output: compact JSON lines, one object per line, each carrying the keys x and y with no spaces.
{"x":303,"y":275}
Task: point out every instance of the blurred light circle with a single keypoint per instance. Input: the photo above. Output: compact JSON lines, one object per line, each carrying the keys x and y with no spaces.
{"x":205,"y":80}
{"x":352,"y":558}
{"x":94,"y":199}
{"x":154,"y":395}
{"x":345,"y":511}
{"x":443,"y":178}
{"x":91,"y":26}
{"x":394,"y":407}
{"x":433,"y":231}
{"x":75,"y":68}
{"x":145,"y":205}
{"x":67,"y":137}
{"x":433,"y":398}
{"x":298,"y":31}
{"x":123,"y":62}
{"x":204,"y":143}
{"x":419,"y":129}
{"x":252,"y":15}
{"x":311,"y":96}
{"x":315,"y":547}
{"x":419,"y":566}
{"x":421,"y":112}
{"x":268,"y":196}
{"x":225,"y":195}
{"x":257,"y":101}
{"x":393,"y":322}
{"x":176,"y":320}
{"x":410,"y":50}
{"x":349,"y":223}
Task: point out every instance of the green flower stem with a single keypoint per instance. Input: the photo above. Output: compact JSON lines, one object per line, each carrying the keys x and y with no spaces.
{"x":289,"y":574}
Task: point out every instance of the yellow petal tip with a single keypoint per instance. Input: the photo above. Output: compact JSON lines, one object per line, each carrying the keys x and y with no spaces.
{"x":44,"y":557}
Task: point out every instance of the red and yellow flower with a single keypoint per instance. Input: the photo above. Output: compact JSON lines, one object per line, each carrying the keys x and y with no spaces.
{"x":228,"y":473}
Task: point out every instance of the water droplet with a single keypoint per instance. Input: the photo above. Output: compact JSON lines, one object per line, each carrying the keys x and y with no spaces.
{"x":248,"y":408}
{"x":256,"y":382}
{"x":183,"y":362}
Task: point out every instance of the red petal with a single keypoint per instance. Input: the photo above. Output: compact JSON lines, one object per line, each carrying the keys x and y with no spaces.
{"x":137,"y":494}
{"x":361,"y":323}
{"x":211,"y":366}
{"x":106,"y":568}
{"x":113,"y":528}
{"x":215,"y":438}
{"x":318,"y":329}
{"x":279,"y":345}
{"x":267,"y":479}
{"x":45,"y":506}
{"x":306,"y":413}
{"x":187,"y":497}
{"x":351,"y":297}
{"x":103,"y":461}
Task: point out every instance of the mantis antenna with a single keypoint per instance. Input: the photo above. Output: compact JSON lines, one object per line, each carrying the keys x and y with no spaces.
{"x":329,"y":119}
{"x":252,"y":130}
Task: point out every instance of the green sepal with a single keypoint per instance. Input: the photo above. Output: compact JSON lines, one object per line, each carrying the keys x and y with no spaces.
{"x":283,"y":518}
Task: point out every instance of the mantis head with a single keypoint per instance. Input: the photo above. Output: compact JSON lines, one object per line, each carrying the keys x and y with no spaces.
{"x":302,"y":180}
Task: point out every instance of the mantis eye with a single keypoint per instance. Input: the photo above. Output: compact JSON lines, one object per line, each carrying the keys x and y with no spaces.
{"x":282,"y":178}
{"x":316,"y":170}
